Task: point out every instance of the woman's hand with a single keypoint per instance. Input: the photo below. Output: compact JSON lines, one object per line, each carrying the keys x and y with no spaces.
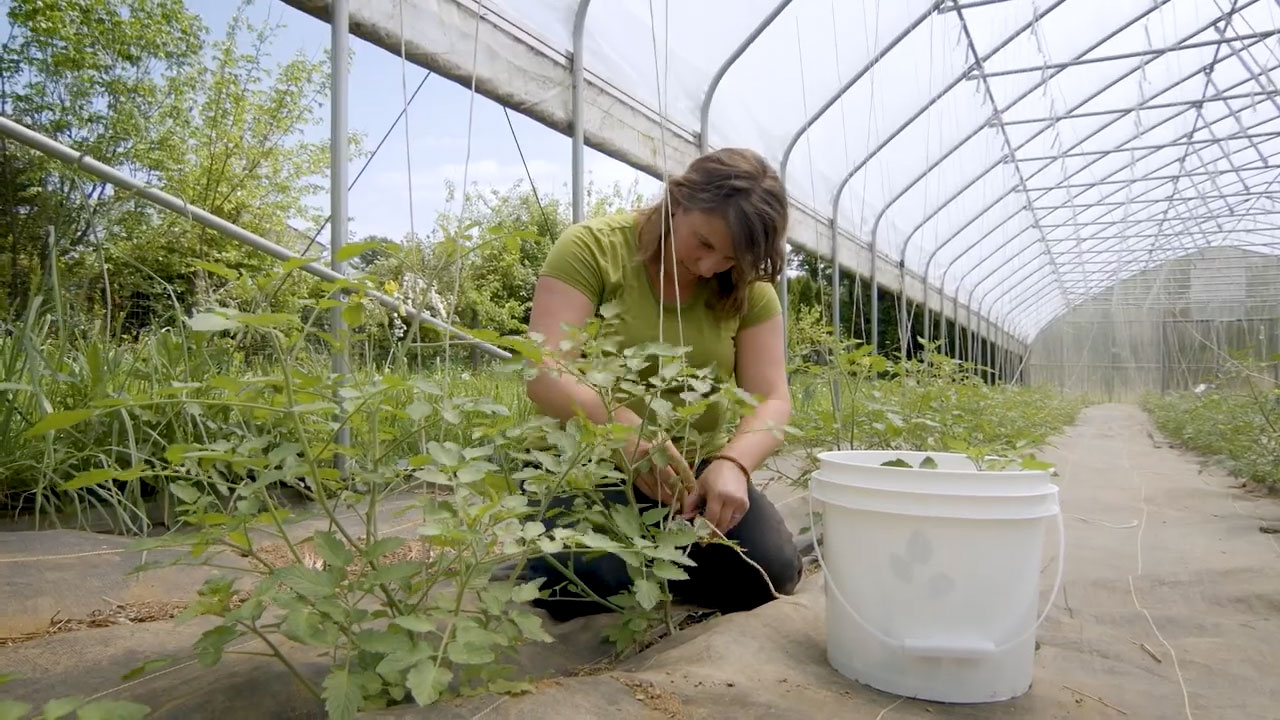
{"x":667,"y":476}
{"x":724,"y":488}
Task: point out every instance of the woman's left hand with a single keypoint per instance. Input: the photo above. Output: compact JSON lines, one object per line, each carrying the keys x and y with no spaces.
{"x":724,"y":488}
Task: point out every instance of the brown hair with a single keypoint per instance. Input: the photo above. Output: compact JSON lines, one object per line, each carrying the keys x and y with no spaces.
{"x":741,"y":188}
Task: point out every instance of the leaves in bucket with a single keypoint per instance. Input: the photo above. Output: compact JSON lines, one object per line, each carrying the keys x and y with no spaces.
{"x":896,"y":462}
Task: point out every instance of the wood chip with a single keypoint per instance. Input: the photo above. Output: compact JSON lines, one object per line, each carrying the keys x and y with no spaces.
{"x":1148,"y":650}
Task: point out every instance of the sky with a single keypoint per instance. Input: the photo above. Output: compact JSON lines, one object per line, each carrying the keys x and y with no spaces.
{"x":379,"y":204}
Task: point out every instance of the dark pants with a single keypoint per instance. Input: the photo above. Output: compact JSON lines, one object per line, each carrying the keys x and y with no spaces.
{"x":720,"y":580}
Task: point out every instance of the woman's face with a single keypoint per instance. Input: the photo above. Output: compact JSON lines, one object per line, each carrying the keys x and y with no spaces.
{"x":703,"y":244}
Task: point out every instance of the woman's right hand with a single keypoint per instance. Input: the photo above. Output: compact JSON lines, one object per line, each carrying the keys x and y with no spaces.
{"x":667,"y":477}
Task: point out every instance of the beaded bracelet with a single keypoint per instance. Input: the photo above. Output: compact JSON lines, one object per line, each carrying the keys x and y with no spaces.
{"x":745,"y":472}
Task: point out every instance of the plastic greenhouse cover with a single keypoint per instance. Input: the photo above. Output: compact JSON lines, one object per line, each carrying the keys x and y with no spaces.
{"x":924,"y":164}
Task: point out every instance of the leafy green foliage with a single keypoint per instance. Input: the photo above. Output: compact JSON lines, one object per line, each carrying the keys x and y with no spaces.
{"x":479,"y":477}
{"x":933,"y":403}
{"x":1235,"y":420}
{"x":130,"y":83}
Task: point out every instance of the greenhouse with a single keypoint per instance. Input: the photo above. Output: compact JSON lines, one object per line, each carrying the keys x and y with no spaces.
{"x":1019,"y":397}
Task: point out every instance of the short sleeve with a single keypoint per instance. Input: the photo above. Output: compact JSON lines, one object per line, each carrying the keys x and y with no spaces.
{"x":574,"y":258}
{"x":762,"y":304}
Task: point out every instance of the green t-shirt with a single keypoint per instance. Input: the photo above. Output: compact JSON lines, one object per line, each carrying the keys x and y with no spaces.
{"x":599,"y":258}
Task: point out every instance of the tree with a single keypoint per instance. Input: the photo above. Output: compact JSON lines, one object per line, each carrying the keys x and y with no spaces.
{"x":97,"y":75}
{"x":128,"y":82}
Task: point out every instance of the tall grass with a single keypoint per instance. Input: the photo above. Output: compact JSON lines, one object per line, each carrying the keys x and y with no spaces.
{"x":148,"y":394}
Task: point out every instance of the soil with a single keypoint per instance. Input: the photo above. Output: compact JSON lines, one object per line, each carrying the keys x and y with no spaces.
{"x":654,"y":697}
{"x":128,"y":613}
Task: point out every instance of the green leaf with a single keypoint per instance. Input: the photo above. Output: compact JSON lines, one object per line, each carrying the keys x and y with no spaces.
{"x":90,"y":477}
{"x":211,"y":322}
{"x":350,"y":251}
{"x":415,"y":623}
{"x":212,"y":642}
{"x":668,"y":570}
{"x":928,"y":463}
{"x":655,"y":515}
{"x":531,"y":626}
{"x":307,"y":627}
{"x":383,"y":546}
{"x":896,"y":463}
{"x":627,"y":519}
{"x":1030,"y":463}
{"x":648,"y":594}
{"x":7,"y":678}
{"x":427,"y":682}
{"x":526,"y":592}
{"x":13,"y":386}
{"x":216,"y":269}
{"x":332,"y":549}
{"x":384,"y":641}
{"x":341,"y":697}
{"x":184,"y":492}
{"x":306,"y":581}
{"x":60,"y":707}
{"x":146,"y":667}
{"x":447,"y":455}
{"x":467,"y":652}
{"x":353,"y":314}
{"x":112,"y":710}
{"x":510,"y":687}
{"x":419,"y":409}
{"x":610,"y":309}
{"x":473,"y":471}
{"x":395,"y":573}
{"x":58,"y":421}
{"x":13,"y":710}
{"x":268,"y":320}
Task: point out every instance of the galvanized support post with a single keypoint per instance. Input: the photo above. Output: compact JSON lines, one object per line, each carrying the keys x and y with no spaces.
{"x":338,"y":81}
{"x":577,"y":78}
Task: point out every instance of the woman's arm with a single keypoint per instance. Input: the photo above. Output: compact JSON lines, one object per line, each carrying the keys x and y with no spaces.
{"x":761,"y":371}
{"x":555,"y":393}
{"x":560,"y":395}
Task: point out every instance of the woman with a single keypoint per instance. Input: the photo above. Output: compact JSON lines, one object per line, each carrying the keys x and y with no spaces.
{"x":706,"y":280}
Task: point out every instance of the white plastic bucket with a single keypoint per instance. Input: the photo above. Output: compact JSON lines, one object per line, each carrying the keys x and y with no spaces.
{"x":933,"y":575}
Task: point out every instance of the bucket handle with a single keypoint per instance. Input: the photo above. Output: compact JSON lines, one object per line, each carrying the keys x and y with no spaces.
{"x":948,"y":648}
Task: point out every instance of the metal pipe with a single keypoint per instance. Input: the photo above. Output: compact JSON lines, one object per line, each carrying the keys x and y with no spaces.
{"x":705,"y":121}
{"x":974,"y":218}
{"x":82,"y":161}
{"x":1154,"y":106}
{"x":817,"y":114}
{"x":1170,"y":201}
{"x":1162,"y":146}
{"x":1132,"y":181}
{"x":577,"y":80}
{"x":955,"y":305}
{"x":1074,"y":146}
{"x":1011,"y":153}
{"x":1138,"y":221}
{"x":1135,"y":54}
{"x":1257,"y":231}
{"x":338,"y":82}
{"x":839,"y":192}
{"x":1122,"y":203}
{"x":955,"y":147}
{"x":1184,"y":249}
